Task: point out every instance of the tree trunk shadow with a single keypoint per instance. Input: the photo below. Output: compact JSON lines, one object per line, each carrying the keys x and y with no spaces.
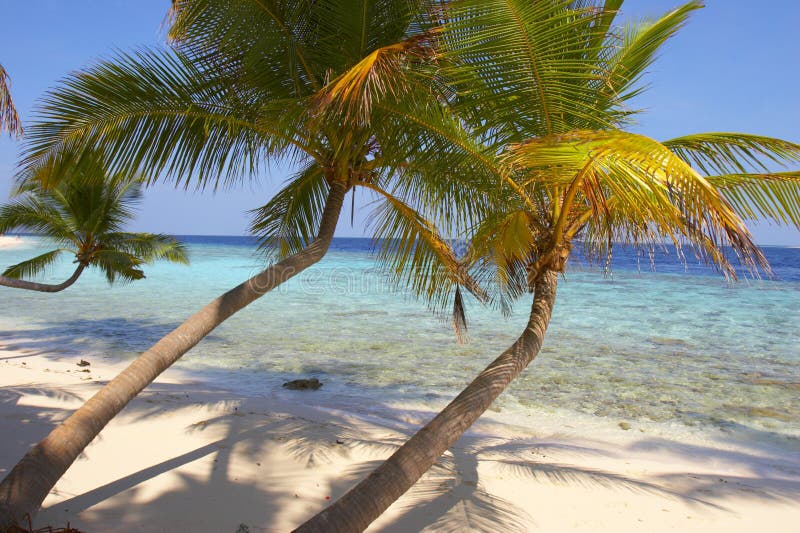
{"x":455,"y":501}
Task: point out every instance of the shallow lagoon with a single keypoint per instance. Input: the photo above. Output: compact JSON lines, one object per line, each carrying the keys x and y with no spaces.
{"x":677,"y":345}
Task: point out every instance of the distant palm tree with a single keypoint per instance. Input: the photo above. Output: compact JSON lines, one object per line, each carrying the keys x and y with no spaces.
{"x":344,"y":89}
{"x":84,"y":217}
{"x":553,"y":89}
{"x":9,"y":119}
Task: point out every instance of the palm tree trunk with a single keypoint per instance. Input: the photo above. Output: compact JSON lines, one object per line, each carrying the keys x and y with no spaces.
{"x":41,"y":287}
{"x":369,"y":499}
{"x":26,"y":486}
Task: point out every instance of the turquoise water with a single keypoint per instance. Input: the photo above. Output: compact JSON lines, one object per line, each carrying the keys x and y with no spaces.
{"x":677,"y":346}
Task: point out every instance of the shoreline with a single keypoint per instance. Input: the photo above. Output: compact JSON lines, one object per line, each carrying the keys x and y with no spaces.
{"x":9,"y":242}
{"x":270,"y":463}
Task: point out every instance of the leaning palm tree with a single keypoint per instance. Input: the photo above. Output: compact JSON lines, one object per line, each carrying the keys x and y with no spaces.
{"x":84,"y":217}
{"x":9,"y":119}
{"x":343,"y":89}
{"x":571,"y":174}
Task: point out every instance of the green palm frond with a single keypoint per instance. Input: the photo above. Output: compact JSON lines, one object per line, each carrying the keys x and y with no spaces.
{"x":734,"y":153}
{"x":774,"y":196}
{"x":33,"y":267}
{"x":431,"y":152}
{"x":158,"y":112}
{"x":604,"y":29}
{"x":305,"y":44}
{"x":118,"y":197}
{"x":416,"y":256}
{"x":525,"y":68}
{"x":118,"y":266}
{"x":9,"y":119}
{"x":639,"y":45}
{"x":361,"y":26}
{"x":289,"y":221}
{"x":148,"y":247}
{"x":251,"y":35}
{"x":37,"y":214}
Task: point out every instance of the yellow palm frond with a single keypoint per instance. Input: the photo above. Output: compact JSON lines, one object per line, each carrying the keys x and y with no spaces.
{"x":644,"y":191}
{"x":734,"y":153}
{"x":502,"y":247}
{"x":379,"y":74}
{"x":773,"y":195}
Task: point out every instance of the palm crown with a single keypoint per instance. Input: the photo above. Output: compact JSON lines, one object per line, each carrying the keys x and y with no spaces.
{"x":85,"y":216}
{"x":557,"y":78}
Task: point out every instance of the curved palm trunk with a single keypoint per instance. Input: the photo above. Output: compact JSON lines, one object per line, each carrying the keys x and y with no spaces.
{"x":41,"y":287}
{"x":26,"y":486}
{"x":369,"y":499}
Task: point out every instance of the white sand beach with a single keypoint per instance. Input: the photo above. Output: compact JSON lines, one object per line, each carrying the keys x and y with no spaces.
{"x":7,"y":242}
{"x":185,"y":456}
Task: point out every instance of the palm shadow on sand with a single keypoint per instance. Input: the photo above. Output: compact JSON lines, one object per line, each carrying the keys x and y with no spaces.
{"x":449,"y":497}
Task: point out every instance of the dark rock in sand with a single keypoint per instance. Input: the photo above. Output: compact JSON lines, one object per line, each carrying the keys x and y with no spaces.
{"x":84,"y":363}
{"x":303,"y":384}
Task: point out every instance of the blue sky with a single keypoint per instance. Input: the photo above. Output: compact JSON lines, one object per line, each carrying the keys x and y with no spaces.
{"x":733,"y":68}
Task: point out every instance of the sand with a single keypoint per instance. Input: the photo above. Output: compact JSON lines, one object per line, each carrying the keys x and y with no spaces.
{"x":7,"y":242}
{"x":185,"y":456}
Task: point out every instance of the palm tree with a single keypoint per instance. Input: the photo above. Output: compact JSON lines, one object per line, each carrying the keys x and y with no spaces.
{"x":571,"y":178}
{"x":84,"y":217}
{"x":9,"y":119}
{"x":344,"y":89}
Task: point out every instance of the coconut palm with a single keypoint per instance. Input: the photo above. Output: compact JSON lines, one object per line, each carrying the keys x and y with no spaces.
{"x":343,"y":89}
{"x":571,"y":174}
{"x":9,"y":119}
{"x":84,"y":217}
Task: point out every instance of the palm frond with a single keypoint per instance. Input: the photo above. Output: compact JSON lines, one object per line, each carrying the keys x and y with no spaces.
{"x":733,"y":153}
{"x":361,"y":26}
{"x":117,"y":200}
{"x":525,"y":69}
{"x":289,"y":221}
{"x":148,"y":247}
{"x":37,"y":214}
{"x":655,"y":194}
{"x":382,"y":73}
{"x":159,"y":113}
{"x":267,"y":41}
{"x":774,"y":196}
{"x":9,"y":119}
{"x":300,"y":45}
{"x":416,"y":256}
{"x":429,"y":150}
{"x":502,"y":245}
{"x":639,"y":45}
{"x":118,"y":265}
{"x":604,"y":30}
{"x":33,"y":267}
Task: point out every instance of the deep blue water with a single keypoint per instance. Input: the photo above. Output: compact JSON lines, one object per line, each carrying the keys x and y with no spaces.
{"x":785,"y":261}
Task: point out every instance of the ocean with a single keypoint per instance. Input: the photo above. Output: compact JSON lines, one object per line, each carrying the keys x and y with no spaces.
{"x":674,"y":346}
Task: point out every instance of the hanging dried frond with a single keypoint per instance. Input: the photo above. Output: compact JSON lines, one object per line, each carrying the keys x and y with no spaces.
{"x":9,"y":119}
